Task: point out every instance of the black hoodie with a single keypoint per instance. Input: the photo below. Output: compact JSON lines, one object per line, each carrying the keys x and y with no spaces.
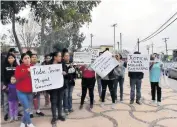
{"x":136,"y":75}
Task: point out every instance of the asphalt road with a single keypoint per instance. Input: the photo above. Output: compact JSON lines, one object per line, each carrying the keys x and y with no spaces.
{"x":173,"y":84}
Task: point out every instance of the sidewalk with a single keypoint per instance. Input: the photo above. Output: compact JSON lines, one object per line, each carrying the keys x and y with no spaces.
{"x":124,"y":115}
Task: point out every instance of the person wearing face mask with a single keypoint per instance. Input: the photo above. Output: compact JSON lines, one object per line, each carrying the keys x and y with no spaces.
{"x":8,"y":71}
{"x":155,"y":73}
{"x":56,"y":95}
{"x":119,"y":73}
{"x":24,"y":88}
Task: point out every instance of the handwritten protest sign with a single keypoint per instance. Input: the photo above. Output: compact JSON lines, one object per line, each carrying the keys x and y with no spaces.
{"x":94,"y":52}
{"x":104,"y":64}
{"x":46,"y":77}
{"x":82,"y":57}
{"x":138,"y":63}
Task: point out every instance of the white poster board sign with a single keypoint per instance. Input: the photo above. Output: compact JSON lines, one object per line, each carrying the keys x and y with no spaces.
{"x":46,"y":77}
{"x":104,"y":64}
{"x":82,"y":57}
{"x":138,"y":63}
{"x":94,"y":52}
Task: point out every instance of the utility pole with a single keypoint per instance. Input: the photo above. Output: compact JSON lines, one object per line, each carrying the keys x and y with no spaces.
{"x":152,"y":47}
{"x":120,"y":41}
{"x":91,"y":36}
{"x":138,"y":45}
{"x":148,"y":48}
{"x":118,"y":45}
{"x":114,"y":25}
{"x":165,"y":40}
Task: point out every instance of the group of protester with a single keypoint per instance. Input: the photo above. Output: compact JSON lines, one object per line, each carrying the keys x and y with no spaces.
{"x":17,"y":85}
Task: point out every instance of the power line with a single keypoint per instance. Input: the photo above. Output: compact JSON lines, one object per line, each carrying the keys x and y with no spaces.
{"x":158,"y":28}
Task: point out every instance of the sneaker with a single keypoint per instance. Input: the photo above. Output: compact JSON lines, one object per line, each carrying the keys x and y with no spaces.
{"x":66,"y":112}
{"x":91,"y":106}
{"x":132,"y":101}
{"x":30,"y":125}
{"x":81,"y":107}
{"x":31,"y":116}
{"x":153,"y":102}
{"x":138,"y":102}
{"x":22,"y":125}
{"x":20,"y":115}
{"x":100,"y":99}
{"x":61,"y":118}
{"x":6,"y":117}
{"x":121,"y":100}
{"x":53,"y":121}
{"x":71,"y":110}
{"x":11,"y":119}
{"x":16,"y":118}
{"x":102,"y":104}
{"x":158,"y":103}
{"x":113,"y":106}
{"x":39,"y":113}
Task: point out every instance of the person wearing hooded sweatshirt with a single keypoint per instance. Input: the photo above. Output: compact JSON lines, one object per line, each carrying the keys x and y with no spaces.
{"x":8,"y":71}
{"x":135,"y":82}
{"x":56,"y":95}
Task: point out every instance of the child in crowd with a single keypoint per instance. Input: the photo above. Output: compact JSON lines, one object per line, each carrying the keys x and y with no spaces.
{"x":13,"y":100}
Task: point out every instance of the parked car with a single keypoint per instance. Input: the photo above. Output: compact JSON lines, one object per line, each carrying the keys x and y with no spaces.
{"x":172,"y":73}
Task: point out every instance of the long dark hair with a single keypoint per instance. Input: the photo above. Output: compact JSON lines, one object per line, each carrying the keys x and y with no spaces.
{"x":7,"y":62}
{"x":52,"y":55}
{"x":23,"y":55}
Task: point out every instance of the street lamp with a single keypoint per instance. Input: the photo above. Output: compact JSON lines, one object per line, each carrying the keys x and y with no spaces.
{"x":114,"y":25}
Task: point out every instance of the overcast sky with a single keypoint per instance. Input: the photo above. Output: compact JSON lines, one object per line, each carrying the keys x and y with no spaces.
{"x":135,"y":19}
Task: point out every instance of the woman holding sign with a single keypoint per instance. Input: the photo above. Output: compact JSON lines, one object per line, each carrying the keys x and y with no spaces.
{"x":24,"y":88}
{"x":56,"y":95}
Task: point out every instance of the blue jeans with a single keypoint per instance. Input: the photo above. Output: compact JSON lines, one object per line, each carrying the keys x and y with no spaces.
{"x":26,"y":100}
{"x":137,"y":83}
{"x":120,"y":81}
{"x":67,"y":99}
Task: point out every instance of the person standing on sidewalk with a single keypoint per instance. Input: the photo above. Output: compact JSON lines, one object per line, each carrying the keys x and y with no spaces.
{"x":46,"y":95}
{"x":119,"y":74}
{"x":88,"y":82}
{"x":56,"y":95}
{"x":70,"y":82}
{"x":24,"y":88}
{"x":36,"y":96}
{"x":98,"y":78}
{"x":108,"y":81}
{"x":155,"y":73}
{"x":135,"y":81}
{"x":13,"y":100}
{"x":8,"y":71}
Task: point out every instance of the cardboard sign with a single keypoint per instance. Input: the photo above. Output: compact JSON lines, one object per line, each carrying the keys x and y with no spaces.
{"x":94,"y":52}
{"x":104,"y":64}
{"x":46,"y":77}
{"x":82,"y":57}
{"x":138,"y":63}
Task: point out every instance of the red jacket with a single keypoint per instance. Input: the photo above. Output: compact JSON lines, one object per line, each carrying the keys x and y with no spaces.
{"x":23,"y":78}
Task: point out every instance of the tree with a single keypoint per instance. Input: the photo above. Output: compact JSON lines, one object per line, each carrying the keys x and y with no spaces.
{"x":62,"y":14}
{"x":28,"y":32}
{"x":9,"y":9}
